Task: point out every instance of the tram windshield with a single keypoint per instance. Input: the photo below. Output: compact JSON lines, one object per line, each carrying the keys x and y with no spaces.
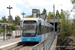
{"x":29,"y":27}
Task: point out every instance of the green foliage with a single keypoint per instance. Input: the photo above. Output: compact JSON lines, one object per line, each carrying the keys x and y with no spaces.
{"x":73,"y":27}
{"x":73,"y":1}
{"x":57,"y":13}
{"x":4,"y":19}
{"x":1,"y":29}
{"x":49,"y":15}
{"x":17,"y":20}
{"x":44,"y":10}
{"x":10,"y":18}
{"x":62,"y":14}
{"x":65,"y":24}
{"x":13,"y":26}
{"x":28,"y":16}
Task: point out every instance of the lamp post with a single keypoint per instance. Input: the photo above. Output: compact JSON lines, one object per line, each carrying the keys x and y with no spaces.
{"x":9,"y":14}
{"x":23,"y":14}
{"x":54,"y":16}
{"x":9,"y":11}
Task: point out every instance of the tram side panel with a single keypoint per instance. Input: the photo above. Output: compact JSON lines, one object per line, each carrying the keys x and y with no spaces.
{"x":41,"y":29}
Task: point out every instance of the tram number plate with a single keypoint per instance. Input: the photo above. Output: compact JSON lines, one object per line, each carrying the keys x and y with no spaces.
{"x":28,"y":39}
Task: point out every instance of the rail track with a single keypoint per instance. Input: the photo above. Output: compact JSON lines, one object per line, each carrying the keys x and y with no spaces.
{"x":23,"y":46}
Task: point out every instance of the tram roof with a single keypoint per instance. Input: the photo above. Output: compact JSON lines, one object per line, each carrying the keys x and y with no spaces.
{"x":36,"y":19}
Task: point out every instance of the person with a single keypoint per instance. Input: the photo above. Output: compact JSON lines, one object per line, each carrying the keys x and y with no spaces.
{"x":8,"y":35}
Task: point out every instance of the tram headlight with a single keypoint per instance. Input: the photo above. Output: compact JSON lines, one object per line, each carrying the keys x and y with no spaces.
{"x":23,"y":34}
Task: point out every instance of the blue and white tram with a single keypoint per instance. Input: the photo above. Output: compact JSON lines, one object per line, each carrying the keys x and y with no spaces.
{"x":33,"y":29}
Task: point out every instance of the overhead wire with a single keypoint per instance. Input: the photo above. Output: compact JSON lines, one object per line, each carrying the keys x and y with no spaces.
{"x":27,"y":3}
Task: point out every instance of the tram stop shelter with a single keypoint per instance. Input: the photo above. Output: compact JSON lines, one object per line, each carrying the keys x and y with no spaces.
{"x":5,"y":30}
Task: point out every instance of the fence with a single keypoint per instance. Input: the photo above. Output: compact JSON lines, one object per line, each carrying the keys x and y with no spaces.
{"x":45,"y":44}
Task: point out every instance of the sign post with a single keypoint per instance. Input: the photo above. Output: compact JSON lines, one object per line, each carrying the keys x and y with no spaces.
{"x":34,"y":13}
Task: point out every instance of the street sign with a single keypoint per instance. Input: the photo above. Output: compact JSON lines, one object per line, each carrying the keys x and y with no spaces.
{"x":34,"y":12}
{"x":5,"y":30}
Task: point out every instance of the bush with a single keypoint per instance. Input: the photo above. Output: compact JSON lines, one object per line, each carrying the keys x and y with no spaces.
{"x":13,"y":27}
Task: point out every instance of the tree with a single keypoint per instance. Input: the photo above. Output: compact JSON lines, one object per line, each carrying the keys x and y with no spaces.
{"x":17,"y":20}
{"x":49,"y":15}
{"x":28,"y":16}
{"x":44,"y":11}
{"x":73,"y":26}
{"x":52,"y":15}
{"x":10,"y":18}
{"x":4,"y":19}
{"x":13,"y":27}
{"x":65,"y":24}
{"x":73,"y":1}
{"x":62,"y":14}
{"x":57,"y":13}
{"x":1,"y":29}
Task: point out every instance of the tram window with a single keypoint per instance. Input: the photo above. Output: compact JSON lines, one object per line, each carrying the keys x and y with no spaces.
{"x":51,"y":29}
{"x":36,"y":29}
{"x":42,"y":29}
{"x":46,"y":29}
{"x":39,"y":31}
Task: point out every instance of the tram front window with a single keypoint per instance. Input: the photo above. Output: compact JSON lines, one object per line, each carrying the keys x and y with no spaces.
{"x":29,"y":29}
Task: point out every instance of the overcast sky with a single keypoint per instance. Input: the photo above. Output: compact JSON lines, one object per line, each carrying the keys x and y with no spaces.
{"x":19,"y":6}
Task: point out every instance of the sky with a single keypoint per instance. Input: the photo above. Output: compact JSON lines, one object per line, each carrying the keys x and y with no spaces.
{"x":26,"y":6}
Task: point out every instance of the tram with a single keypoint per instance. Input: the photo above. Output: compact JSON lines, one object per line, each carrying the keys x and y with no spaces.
{"x":34,"y":29}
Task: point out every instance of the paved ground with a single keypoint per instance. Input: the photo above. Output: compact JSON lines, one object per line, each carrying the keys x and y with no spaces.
{"x":53,"y":47}
{"x":2,"y":43}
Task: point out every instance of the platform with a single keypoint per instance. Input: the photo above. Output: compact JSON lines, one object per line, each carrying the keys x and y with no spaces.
{"x":9,"y":42}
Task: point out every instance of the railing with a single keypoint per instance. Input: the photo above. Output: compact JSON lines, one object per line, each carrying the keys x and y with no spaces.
{"x":45,"y":44}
